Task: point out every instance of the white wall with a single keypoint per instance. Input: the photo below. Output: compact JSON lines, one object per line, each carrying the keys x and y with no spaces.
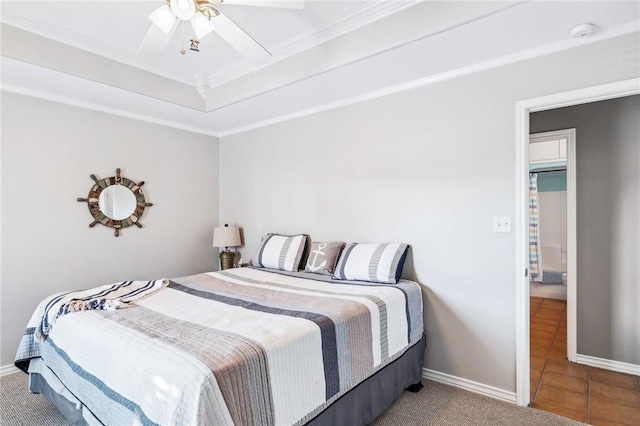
{"x":429,"y":167}
{"x":48,"y":152}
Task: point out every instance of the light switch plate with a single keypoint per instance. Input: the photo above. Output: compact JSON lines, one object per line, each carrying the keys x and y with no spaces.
{"x":502,"y":224}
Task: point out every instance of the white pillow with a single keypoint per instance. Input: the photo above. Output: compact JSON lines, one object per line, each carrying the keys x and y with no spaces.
{"x":378,"y":263}
{"x":280,"y":252}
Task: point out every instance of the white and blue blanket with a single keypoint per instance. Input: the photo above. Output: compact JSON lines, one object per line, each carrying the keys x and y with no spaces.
{"x":242,"y":346}
{"x":108,"y":297}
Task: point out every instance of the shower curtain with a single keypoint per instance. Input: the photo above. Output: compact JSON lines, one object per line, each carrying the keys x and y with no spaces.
{"x":535,"y":255}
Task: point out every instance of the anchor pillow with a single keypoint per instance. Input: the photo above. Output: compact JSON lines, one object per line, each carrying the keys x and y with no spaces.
{"x":323,"y":257}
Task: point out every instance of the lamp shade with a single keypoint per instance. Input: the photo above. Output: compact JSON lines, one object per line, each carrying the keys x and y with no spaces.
{"x":226,"y":236}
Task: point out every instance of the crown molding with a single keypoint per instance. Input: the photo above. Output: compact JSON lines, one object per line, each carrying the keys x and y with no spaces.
{"x":633,"y":27}
{"x":630,"y":28}
{"x":10,"y":88}
{"x":83,"y":42}
{"x":314,"y":37}
{"x":304,"y":41}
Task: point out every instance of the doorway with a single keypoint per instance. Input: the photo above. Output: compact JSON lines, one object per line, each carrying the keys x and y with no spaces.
{"x":523,"y":109}
{"x":551,"y":196}
{"x":551,"y":159}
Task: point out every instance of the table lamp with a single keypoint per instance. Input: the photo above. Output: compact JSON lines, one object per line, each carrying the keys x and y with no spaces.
{"x":226,"y":236}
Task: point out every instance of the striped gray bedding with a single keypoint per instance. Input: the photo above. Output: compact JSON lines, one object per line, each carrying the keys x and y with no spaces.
{"x":242,"y":346}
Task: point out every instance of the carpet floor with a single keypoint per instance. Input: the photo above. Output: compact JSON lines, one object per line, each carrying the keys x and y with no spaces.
{"x":436,"y":404}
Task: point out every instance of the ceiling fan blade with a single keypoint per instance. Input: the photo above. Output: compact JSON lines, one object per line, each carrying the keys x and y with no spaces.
{"x":287,"y":4}
{"x":240,"y":40}
{"x":156,"y":41}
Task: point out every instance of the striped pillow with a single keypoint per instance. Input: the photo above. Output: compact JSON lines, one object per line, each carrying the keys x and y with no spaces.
{"x":280,"y":252}
{"x":378,"y":263}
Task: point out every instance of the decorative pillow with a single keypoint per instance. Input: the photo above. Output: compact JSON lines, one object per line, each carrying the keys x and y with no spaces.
{"x":280,"y":252}
{"x":378,"y":263}
{"x":323,"y":257}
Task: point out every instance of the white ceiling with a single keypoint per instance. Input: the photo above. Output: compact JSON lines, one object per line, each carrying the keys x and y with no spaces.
{"x":327,"y":54}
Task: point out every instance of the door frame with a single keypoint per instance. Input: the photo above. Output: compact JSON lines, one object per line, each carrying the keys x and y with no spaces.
{"x":523,"y":109}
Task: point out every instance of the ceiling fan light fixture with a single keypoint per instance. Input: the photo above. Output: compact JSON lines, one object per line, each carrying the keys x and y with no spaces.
{"x":201,"y":25}
{"x":163,"y":18}
{"x":203,"y":14}
{"x":183,"y":9}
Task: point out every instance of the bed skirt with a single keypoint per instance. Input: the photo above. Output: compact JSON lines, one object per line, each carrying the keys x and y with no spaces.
{"x":362,"y":404}
{"x":359,"y":406}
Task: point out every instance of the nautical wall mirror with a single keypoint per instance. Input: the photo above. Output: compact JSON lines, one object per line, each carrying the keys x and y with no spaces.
{"x":116,"y":202}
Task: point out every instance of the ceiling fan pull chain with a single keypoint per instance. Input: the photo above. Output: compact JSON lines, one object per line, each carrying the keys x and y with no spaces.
{"x":204,"y":18}
{"x":183,"y":50}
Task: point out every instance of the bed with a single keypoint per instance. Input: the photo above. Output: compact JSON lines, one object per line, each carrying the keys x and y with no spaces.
{"x":244,"y":346}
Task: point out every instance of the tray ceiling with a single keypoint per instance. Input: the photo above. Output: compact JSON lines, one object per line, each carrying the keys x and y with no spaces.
{"x":328,"y":52}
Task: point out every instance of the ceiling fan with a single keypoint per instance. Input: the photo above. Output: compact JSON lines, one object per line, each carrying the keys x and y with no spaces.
{"x":206,"y":18}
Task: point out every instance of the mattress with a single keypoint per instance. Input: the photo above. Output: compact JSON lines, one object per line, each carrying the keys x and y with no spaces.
{"x":242,"y":346}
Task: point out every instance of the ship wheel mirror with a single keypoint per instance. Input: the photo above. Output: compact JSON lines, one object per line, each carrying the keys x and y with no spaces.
{"x":116,"y":202}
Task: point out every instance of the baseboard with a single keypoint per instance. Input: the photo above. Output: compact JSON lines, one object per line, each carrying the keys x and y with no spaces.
{"x":8,"y":369}
{"x":608,"y":364}
{"x":469,"y":385}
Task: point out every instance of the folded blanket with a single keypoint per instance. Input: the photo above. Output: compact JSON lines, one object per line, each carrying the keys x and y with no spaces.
{"x":105,"y":298}
{"x":550,"y":276}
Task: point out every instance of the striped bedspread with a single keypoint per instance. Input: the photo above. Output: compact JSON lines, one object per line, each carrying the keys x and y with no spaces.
{"x":242,"y":346}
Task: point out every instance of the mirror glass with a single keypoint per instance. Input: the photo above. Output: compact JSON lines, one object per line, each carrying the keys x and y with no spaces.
{"x":117,"y":202}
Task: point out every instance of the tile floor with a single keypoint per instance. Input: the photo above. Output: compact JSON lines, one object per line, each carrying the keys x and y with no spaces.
{"x":588,"y":394}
